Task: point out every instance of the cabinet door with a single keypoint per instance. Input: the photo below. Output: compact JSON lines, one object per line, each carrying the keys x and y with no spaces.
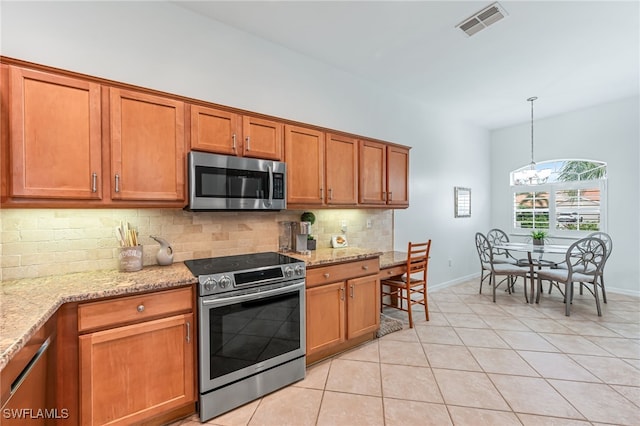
{"x":262,"y":138}
{"x":341,"y":170}
{"x":363,"y":305}
{"x":372,"y":170}
{"x":147,"y":147}
{"x":55,"y":141}
{"x":397,"y":176}
{"x":135,"y":372}
{"x":304,"y":155}
{"x":325,"y":316}
{"x":214,"y":130}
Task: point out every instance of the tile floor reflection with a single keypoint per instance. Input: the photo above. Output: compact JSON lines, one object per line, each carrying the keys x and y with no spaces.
{"x":476,"y":362}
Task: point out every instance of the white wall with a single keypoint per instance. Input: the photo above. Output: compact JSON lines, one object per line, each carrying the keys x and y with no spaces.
{"x":609,"y":132}
{"x":446,"y":154}
{"x":164,"y":47}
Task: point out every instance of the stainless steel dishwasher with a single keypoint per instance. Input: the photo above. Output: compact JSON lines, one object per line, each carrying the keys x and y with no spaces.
{"x":28,"y":382}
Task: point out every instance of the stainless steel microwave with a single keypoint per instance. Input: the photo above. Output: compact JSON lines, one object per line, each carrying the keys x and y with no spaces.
{"x":223,"y":182}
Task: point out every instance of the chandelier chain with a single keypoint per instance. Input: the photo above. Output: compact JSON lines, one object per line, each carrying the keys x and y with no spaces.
{"x":533,"y":163}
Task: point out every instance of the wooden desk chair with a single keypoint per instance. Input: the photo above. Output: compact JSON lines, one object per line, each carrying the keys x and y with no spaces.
{"x":402,"y":288}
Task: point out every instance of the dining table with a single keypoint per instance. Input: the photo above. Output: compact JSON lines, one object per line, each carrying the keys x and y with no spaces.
{"x":535,"y":253}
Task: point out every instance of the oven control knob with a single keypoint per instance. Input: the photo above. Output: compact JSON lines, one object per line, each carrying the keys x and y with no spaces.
{"x":288,"y":272}
{"x":224,"y":282}
{"x":299,"y":270}
{"x":210,"y":283}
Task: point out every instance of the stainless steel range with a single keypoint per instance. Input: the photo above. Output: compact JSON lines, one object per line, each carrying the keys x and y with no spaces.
{"x":251,"y":317}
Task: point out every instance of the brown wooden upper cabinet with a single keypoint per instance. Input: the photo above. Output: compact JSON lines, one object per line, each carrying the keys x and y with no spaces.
{"x":341,"y":170}
{"x":384,"y":174}
{"x":304,"y":155}
{"x":261,"y":138}
{"x":397,"y":176}
{"x":225,"y":132}
{"x":75,"y":141}
{"x":147,"y":146}
{"x":55,"y":136}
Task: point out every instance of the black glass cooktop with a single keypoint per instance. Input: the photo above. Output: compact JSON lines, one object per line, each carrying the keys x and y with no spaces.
{"x":241,"y":262}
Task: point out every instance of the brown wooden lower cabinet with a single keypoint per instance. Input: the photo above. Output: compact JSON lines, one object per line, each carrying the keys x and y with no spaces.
{"x":343,"y":307}
{"x":132,"y":373}
{"x":325,"y":317}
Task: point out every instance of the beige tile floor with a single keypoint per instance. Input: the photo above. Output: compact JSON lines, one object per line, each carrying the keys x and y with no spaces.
{"x":475,"y":363}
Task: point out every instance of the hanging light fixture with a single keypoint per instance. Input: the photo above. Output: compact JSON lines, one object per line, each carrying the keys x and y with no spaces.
{"x":532,"y":175}
{"x":532,"y":165}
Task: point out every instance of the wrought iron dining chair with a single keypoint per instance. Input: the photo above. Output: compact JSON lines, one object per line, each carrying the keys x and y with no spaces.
{"x":414,"y":282}
{"x":608,"y":243}
{"x":485,"y":267}
{"x":485,"y":252}
{"x":496,"y":237}
{"x":584,"y":261}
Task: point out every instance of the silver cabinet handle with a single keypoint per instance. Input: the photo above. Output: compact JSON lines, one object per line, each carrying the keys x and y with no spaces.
{"x":384,"y":195}
{"x":140,"y":308}
{"x":321,"y":193}
{"x":326,"y":275}
{"x":188,"y":332}
{"x":351,"y":290}
{"x":233,"y":138}
{"x":94,"y":182}
{"x":341,"y":293}
{"x":117,"y":183}
{"x":365,"y":267}
{"x":331,"y":193}
{"x":390,"y":196}
{"x":248,"y":139}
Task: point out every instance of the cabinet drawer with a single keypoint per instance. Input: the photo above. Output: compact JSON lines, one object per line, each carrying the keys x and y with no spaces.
{"x":136,"y":308}
{"x":344,"y":271}
{"x":392,"y":272}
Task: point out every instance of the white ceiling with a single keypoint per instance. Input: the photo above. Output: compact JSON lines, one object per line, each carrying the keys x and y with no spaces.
{"x":571,"y":54}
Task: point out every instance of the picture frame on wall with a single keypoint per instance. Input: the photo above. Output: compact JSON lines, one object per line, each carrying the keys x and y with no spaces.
{"x":462,"y":202}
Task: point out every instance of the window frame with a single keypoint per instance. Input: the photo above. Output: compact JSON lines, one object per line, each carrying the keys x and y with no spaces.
{"x":552,"y":188}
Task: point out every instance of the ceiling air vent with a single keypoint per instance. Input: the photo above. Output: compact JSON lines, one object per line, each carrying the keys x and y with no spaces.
{"x":482,"y":19}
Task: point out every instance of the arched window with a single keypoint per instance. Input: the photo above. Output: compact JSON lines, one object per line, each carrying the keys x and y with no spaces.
{"x":563,"y":197}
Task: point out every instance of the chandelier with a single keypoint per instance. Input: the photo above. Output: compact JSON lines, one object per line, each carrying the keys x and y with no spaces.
{"x":532,"y":175}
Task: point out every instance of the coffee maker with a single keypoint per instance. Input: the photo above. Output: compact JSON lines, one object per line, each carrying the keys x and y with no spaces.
{"x":301,"y":231}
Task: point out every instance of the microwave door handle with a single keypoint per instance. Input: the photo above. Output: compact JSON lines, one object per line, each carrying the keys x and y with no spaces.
{"x":270,"y":201}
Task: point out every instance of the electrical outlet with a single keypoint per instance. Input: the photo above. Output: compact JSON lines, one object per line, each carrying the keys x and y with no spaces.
{"x":450,"y":262}
{"x":343,"y":226}
{"x":368,"y":223}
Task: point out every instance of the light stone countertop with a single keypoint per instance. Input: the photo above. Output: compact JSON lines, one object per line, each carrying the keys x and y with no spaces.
{"x":327,"y":256}
{"x":393,"y":258}
{"x":27,"y":304}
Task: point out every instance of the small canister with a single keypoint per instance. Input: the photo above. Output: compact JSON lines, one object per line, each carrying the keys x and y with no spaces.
{"x":130,"y":258}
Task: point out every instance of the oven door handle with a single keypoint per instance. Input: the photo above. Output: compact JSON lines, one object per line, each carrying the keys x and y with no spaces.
{"x":253,"y":296}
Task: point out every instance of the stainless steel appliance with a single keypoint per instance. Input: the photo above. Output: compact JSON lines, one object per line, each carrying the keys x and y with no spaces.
{"x":251,"y":317}
{"x":301,"y":232}
{"x":222,"y":182}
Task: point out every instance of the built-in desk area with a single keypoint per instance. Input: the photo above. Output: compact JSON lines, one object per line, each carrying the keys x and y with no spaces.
{"x":392,"y":263}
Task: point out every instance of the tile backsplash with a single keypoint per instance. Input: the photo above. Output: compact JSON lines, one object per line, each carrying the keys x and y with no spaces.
{"x":42,"y":242}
